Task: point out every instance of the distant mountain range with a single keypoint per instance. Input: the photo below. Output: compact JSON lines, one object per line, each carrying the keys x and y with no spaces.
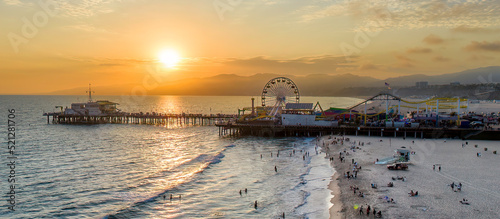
{"x":310,"y":85}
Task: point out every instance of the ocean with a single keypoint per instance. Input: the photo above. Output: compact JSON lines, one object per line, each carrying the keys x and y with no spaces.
{"x":131,"y":171}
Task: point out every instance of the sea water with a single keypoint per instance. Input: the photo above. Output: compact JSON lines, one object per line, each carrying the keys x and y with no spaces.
{"x":131,"y":171}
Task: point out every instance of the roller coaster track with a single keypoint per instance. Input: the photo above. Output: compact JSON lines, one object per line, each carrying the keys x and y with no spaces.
{"x":429,"y":102}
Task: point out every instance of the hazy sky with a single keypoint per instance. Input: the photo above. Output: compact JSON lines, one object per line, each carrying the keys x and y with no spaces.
{"x":53,"y":45}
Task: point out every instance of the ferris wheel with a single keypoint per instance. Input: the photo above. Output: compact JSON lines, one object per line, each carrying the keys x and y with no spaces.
{"x":279,"y":91}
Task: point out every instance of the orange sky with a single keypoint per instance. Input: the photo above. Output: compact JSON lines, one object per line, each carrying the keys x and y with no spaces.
{"x":50,"y":46}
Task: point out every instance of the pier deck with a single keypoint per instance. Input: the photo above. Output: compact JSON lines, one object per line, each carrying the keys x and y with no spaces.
{"x":310,"y":131}
{"x":140,"y":118}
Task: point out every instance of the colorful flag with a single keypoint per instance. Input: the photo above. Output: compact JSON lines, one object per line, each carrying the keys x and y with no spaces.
{"x":387,"y":84}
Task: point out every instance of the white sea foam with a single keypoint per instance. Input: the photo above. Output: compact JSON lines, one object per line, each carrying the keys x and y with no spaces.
{"x":318,"y":203}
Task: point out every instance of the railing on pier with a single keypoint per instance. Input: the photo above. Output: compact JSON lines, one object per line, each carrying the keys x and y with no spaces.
{"x":141,"y":118}
{"x":273,"y":130}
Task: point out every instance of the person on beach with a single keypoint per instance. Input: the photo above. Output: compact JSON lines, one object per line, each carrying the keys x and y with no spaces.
{"x":434,"y":167}
{"x":361,"y":210}
{"x":171,"y":197}
{"x":275,"y":169}
{"x":255,"y":204}
{"x":368,"y":210}
{"x":453,"y":186}
{"x":246,"y":190}
{"x":240,"y":193}
{"x":440,"y":168}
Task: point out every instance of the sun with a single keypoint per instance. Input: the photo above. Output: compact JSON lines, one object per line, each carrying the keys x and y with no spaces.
{"x":170,"y":58}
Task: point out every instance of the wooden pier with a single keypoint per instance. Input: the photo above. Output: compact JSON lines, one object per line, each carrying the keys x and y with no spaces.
{"x":141,"y":118}
{"x":230,"y":129}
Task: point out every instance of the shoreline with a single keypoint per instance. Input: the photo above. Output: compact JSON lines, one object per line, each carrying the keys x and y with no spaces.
{"x":436,"y":199}
{"x":336,"y":209}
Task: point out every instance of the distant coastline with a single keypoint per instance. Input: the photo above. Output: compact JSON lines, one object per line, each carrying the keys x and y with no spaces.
{"x":480,"y":83}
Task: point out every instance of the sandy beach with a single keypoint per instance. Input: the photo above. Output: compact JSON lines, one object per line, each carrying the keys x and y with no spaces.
{"x":479,"y":177}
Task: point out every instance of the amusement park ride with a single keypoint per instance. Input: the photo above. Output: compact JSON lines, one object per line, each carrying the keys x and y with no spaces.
{"x":280,"y":98}
{"x":278,"y":92}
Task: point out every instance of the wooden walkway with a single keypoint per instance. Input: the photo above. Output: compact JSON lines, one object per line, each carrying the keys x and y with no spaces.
{"x":140,"y":118}
{"x":231,"y":129}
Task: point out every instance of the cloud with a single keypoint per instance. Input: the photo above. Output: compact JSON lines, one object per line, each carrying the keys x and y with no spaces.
{"x":433,"y":39}
{"x":73,"y":8}
{"x":326,"y":60}
{"x":325,"y":64}
{"x":413,"y":14}
{"x":440,"y":59}
{"x":480,"y":58}
{"x":483,"y":46}
{"x":12,"y":2}
{"x":103,"y":61}
{"x":403,"y":58}
{"x":419,"y":50}
{"x":471,"y":29}
{"x":404,"y":62}
{"x":368,"y":67}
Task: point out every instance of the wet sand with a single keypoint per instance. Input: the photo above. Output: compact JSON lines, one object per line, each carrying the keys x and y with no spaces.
{"x":479,"y":177}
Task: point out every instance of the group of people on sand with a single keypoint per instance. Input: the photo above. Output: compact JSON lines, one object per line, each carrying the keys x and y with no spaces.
{"x":411,"y":193}
{"x":368,"y":210}
{"x":465,"y":201}
{"x":389,"y":200}
{"x":434,"y":167}
{"x":456,"y":187}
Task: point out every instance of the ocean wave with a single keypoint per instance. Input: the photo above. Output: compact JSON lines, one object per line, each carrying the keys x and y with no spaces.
{"x":203,"y":161}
